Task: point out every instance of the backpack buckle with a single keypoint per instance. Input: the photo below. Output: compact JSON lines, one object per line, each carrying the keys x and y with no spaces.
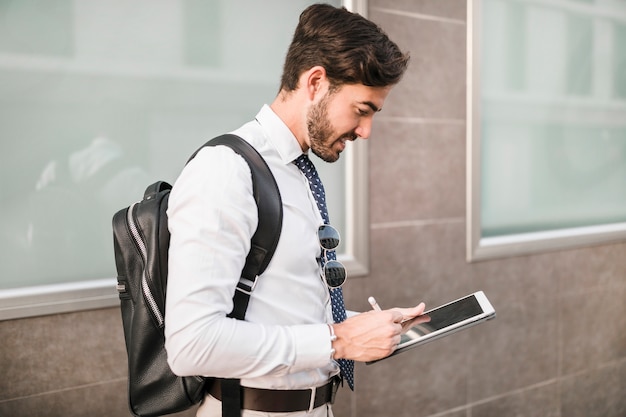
{"x":246,"y":285}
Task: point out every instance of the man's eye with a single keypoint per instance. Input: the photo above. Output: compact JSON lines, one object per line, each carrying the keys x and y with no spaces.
{"x":363,"y":112}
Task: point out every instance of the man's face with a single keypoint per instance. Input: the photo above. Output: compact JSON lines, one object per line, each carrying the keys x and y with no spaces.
{"x":342,"y":115}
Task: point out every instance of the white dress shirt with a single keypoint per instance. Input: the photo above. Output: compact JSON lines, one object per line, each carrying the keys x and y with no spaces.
{"x":284,"y":343}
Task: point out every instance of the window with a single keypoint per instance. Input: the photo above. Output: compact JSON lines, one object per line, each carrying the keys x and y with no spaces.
{"x":546,"y":125}
{"x":99,"y":99}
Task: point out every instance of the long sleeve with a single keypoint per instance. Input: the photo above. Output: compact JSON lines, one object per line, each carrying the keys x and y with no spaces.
{"x":212,"y":216}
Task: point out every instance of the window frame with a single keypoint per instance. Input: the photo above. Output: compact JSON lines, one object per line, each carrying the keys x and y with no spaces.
{"x":481,"y":248}
{"x":101,"y":293}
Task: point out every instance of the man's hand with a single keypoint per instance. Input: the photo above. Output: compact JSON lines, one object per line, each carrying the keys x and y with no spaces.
{"x":372,"y":335}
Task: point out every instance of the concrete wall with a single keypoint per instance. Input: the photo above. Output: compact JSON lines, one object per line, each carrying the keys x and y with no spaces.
{"x":557,"y":347}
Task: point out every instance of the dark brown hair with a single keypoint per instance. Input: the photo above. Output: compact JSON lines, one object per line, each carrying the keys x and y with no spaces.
{"x":351,"y":49}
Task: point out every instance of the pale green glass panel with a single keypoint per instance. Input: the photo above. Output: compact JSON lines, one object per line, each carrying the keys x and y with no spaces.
{"x":100,"y":98}
{"x":553,"y":115}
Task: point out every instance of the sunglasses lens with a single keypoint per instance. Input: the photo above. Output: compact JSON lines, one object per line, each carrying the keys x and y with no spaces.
{"x":328,"y":236}
{"x":334,"y":271}
{"x":335,"y":274}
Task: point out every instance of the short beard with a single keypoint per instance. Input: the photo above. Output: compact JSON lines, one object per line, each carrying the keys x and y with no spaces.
{"x":320,"y":130}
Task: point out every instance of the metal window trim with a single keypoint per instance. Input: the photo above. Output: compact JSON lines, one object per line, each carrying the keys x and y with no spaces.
{"x":477,"y":247}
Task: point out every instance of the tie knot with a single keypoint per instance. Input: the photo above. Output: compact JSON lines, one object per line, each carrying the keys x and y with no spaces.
{"x":315,"y":184}
{"x":304,"y":163}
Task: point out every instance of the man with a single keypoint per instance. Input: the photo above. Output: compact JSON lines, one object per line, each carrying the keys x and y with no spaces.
{"x":338,"y":72}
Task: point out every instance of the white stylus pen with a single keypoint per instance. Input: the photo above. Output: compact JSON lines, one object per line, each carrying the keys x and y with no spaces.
{"x":374,"y":304}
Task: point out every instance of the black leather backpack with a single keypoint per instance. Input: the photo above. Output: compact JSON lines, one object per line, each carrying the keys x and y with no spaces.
{"x":141,"y":241}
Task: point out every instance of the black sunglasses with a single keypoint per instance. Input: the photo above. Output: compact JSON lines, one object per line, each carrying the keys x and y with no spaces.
{"x":333,"y":271}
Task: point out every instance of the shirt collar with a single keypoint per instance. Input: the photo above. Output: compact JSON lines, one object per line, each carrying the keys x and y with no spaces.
{"x":279,"y":134}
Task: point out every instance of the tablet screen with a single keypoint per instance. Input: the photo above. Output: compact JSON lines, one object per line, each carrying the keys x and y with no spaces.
{"x":445,"y":316}
{"x":444,"y":320}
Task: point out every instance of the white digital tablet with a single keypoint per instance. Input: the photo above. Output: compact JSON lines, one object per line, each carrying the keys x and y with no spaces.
{"x":444,"y":320}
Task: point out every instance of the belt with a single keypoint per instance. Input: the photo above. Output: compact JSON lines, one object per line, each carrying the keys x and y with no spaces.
{"x":282,"y":401}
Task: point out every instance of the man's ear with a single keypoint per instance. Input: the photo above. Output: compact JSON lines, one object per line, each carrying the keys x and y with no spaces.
{"x":315,"y":82}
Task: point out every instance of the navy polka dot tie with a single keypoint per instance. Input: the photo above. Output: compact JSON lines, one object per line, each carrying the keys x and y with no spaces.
{"x":336,"y":294}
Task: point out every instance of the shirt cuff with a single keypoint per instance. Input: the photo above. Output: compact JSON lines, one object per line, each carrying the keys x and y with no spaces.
{"x":314,"y":347}
{"x":350,"y":313}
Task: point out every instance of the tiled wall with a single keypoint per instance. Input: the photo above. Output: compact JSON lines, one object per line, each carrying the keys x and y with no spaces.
{"x":66,"y":365}
{"x":557,"y":347}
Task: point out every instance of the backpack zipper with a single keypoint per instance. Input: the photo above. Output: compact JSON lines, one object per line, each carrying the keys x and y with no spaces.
{"x":144,"y":254}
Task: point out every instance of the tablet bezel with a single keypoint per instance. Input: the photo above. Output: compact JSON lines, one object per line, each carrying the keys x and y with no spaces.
{"x":488,"y":312}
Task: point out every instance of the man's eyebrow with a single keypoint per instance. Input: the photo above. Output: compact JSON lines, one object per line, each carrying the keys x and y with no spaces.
{"x":371,"y":105}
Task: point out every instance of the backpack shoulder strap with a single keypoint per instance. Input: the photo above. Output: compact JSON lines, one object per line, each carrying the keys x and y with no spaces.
{"x":270,"y":209}
{"x":263,"y":245}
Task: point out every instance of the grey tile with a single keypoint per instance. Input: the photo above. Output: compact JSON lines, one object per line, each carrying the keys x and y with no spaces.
{"x":451,"y":9}
{"x":593,"y":329}
{"x":597,"y":393}
{"x":413,"y":264}
{"x":456,"y":413}
{"x":61,"y":351}
{"x":541,"y":401}
{"x":520,"y":347}
{"x":592,"y":268}
{"x":97,"y":400}
{"x":101,"y":400}
{"x":593,"y":312}
{"x":434,"y":86}
{"x":417,"y":383}
{"x":417,"y":171}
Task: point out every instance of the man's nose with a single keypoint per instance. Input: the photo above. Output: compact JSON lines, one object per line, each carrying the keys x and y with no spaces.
{"x":364,"y":129}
